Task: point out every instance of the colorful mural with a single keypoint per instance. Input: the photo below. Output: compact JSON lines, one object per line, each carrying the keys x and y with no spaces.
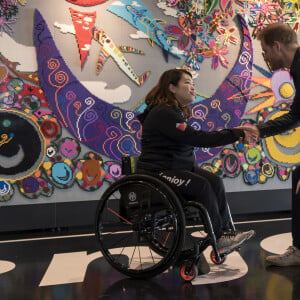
{"x":115,"y":132}
{"x":273,"y":155}
{"x":41,"y":108}
{"x":33,"y":155}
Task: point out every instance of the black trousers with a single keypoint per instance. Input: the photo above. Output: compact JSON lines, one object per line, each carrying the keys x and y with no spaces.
{"x":206,"y":188}
{"x":296,"y":208}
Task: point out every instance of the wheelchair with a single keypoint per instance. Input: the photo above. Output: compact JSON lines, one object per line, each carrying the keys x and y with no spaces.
{"x":143,"y":227}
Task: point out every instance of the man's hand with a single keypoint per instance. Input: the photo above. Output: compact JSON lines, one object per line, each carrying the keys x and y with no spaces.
{"x":251,"y":134}
{"x":298,"y":187}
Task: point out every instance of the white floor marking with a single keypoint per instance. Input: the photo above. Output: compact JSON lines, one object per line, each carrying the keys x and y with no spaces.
{"x":71,"y":267}
{"x":233,"y":268}
{"x":263,"y":221}
{"x":278,"y":243}
{"x":47,"y":238}
{"x":6,"y":266}
{"x":68,"y":268}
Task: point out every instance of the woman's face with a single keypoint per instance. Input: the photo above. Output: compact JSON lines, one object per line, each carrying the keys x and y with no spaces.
{"x":184,"y":91}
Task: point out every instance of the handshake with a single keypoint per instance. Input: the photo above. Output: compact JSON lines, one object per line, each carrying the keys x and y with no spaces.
{"x":251,"y":132}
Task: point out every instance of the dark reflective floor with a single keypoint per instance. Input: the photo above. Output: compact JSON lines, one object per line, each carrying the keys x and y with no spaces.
{"x":45,"y":265}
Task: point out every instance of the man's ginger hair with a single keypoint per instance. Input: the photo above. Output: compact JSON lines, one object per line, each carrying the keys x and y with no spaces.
{"x":280,"y":32}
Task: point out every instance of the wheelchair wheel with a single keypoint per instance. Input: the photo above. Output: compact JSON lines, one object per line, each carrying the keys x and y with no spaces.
{"x":140,"y":226}
{"x":214,"y":259}
{"x":188,"y":272}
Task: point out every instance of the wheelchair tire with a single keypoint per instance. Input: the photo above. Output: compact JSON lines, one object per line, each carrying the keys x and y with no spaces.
{"x":188,"y":272}
{"x":214,"y":259}
{"x":140,"y":226}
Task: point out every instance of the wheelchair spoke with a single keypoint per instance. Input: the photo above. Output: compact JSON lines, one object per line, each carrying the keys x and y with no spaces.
{"x":140,"y":258}
{"x":119,"y":216}
{"x":164,"y":244}
{"x":120,"y":242}
{"x":132,"y":255}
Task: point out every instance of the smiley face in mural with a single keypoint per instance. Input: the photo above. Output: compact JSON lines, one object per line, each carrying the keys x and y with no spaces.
{"x":21,"y":145}
{"x":62,"y":173}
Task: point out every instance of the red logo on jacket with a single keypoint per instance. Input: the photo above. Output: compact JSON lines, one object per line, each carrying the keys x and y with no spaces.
{"x":181,"y":126}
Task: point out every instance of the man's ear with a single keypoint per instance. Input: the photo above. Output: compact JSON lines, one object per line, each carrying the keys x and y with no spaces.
{"x":277,"y":46}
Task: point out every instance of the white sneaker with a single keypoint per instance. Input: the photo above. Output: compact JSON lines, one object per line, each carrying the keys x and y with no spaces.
{"x":249,"y":234}
{"x":289,"y":258}
{"x":231,"y":240}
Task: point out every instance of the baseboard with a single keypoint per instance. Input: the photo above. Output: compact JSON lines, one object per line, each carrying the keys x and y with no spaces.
{"x":82,"y":213}
{"x":260,"y":201}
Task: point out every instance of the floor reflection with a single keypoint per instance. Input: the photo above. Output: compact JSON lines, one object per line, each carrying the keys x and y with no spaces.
{"x":99,"y":281}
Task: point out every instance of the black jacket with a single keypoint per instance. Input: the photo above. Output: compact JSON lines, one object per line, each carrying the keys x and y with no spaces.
{"x":168,"y":141}
{"x":292,"y":118}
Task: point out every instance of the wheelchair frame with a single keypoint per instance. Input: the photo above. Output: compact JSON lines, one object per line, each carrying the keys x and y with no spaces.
{"x":141,"y":227}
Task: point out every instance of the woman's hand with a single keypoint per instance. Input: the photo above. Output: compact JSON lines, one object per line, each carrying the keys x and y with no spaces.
{"x":251,"y":134}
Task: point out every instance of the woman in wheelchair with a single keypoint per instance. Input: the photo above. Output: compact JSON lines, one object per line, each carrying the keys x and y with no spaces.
{"x":170,"y":211}
{"x":168,"y":143}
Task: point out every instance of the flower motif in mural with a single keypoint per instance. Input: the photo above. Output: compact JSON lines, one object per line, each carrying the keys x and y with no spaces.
{"x":193,"y":58}
{"x":184,"y":32}
{"x":259,"y":14}
{"x":8,"y":14}
{"x":205,"y":35}
{"x":198,"y":30}
{"x":198,"y":7}
{"x":217,"y":53}
{"x":226,"y":36}
{"x":217,"y":19}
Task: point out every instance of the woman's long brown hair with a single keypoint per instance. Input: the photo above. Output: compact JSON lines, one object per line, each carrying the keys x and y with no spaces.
{"x":161,"y":94}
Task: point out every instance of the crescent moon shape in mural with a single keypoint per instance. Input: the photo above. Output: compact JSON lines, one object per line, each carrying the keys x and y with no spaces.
{"x":12,"y":161}
{"x":115,"y":132}
{"x":86,"y":2}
